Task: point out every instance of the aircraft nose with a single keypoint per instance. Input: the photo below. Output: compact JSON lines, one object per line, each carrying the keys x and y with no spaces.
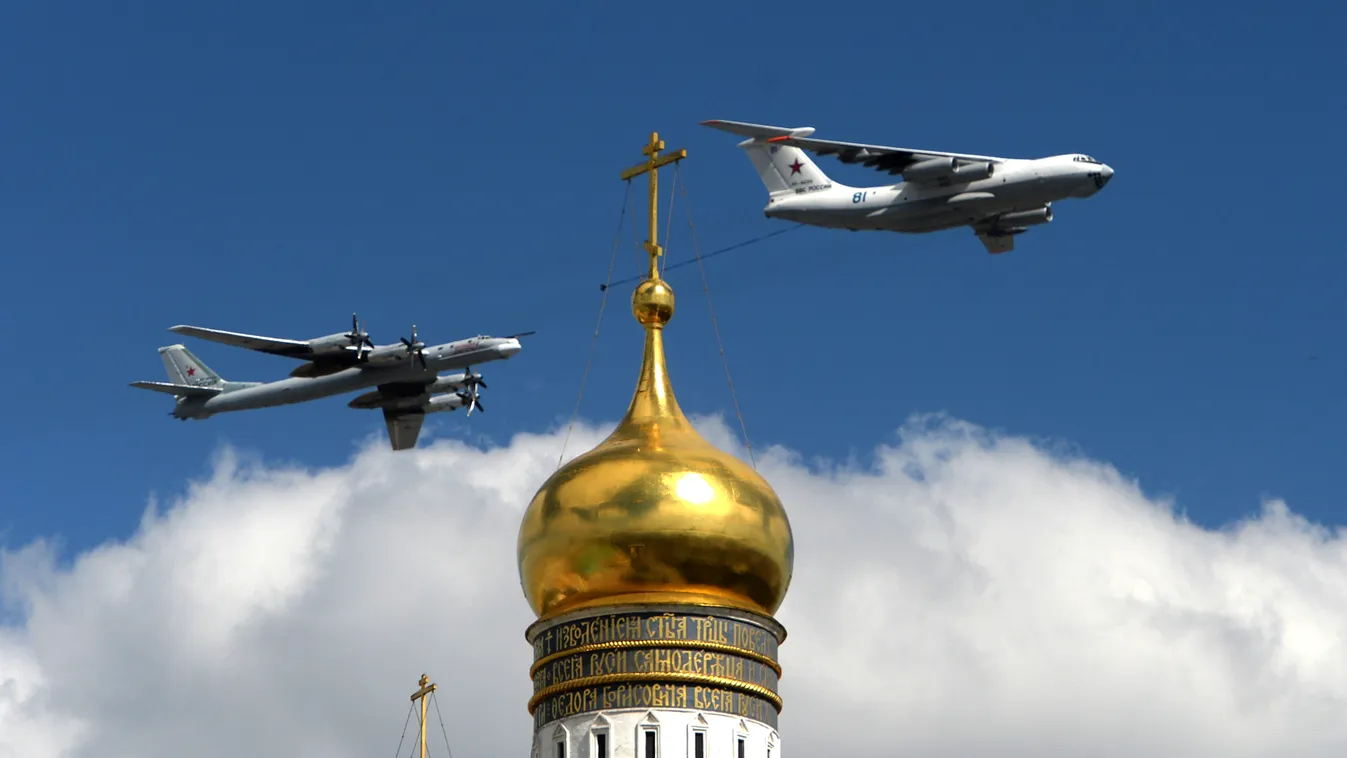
{"x":509,"y":348}
{"x":1105,"y":173}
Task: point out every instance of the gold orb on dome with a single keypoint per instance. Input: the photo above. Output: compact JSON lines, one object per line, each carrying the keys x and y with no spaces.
{"x":653,"y":303}
{"x":655,"y":513}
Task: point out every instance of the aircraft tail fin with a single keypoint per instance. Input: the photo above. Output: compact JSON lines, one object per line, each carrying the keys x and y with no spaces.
{"x":184,"y":368}
{"x":783,"y":168}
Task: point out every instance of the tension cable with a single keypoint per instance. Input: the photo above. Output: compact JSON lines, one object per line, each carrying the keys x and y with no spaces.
{"x":398,"y":752}
{"x":714,"y":253}
{"x":714,"y":325}
{"x":440,"y":716}
{"x":617,"y":244}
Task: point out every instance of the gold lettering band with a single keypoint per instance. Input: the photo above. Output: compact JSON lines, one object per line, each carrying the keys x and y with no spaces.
{"x":647,"y":626}
{"x":712,"y":647}
{"x":627,"y":696}
{"x":663,"y":678}
{"x":657,"y":661}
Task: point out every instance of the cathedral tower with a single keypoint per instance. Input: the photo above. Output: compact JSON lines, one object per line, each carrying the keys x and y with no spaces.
{"x":654,"y":563}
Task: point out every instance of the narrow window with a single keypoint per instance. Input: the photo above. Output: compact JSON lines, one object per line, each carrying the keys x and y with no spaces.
{"x":741,"y":747}
{"x":601,"y":746}
{"x":561,"y":749}
{"x":649,"y":744}
{"x":699,"y":745}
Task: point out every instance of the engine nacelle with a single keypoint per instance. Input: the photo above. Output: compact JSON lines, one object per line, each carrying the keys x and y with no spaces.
{"x":386,"y":354}
{"x":1025,"y":218}
{"x":973,"y":172}
{"x":928,"y":170}
{"x":939,"y":169}
{"x":443,"y":403}
{"x":448,"y":383}
{"x":329,"y":345}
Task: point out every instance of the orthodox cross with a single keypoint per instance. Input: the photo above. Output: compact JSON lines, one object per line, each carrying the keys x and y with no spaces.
{"x":652,"y":164}
{"x":426,"y":689}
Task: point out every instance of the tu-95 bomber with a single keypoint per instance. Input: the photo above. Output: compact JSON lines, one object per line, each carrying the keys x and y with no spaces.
{"x":404,"y":376}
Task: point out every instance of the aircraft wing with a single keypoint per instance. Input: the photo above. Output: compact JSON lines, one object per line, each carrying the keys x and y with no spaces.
{"x":892,"y":160}
{"x":404,"y":426}
{"x":271,"y":345}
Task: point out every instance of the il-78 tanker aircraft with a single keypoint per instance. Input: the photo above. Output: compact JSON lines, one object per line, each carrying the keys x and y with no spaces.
{"x":997,"y":197}
{"x":405,"y":376}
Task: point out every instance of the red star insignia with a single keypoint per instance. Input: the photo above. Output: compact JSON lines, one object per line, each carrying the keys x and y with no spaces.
{"x":796,"y":166}
{"x":191,"y":372}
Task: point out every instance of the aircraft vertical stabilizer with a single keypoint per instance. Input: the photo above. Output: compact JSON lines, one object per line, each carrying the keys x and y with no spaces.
{"x":785,"y":169}
{"x":184,"y":368}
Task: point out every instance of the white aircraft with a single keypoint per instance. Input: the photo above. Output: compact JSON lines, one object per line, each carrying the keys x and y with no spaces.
{"x":404,"y":378}
{"x":998,"y":197}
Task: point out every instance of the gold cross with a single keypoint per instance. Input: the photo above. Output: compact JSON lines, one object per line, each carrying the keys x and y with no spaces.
{"x":426,"y":689}
{"x":652,"y":165}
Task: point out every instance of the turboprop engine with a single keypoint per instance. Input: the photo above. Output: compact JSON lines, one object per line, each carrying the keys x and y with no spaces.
{"x":331,"y":344}
{"x":938,"y":169}
{"x":442,"y":403}
{"x":453,"y":382}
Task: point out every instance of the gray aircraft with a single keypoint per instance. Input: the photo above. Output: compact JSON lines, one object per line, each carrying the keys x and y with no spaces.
{"x":405,"y":376}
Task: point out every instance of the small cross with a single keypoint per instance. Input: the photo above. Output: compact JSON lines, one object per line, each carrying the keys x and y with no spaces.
{"x":651,"y":166}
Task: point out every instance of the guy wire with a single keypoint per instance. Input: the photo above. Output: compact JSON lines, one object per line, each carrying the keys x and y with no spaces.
{"x":410,"y":708}
{"x":617,"y":244}
{"x":714,"y":325}
{"x":712,"y":254}
{"x":436,"y":701}
{"x":668,"y":223}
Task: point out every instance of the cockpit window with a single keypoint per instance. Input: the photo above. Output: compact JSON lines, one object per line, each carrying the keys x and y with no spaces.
{"x":1084,"y":159}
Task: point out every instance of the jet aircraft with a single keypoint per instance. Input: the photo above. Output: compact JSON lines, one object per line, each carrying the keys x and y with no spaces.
{"x":405,"y":376}
{"x":997,"y":197}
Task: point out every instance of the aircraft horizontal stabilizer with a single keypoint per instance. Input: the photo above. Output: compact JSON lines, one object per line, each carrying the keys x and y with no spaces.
{"x":759,"y":131}
{"x":180,"y":390}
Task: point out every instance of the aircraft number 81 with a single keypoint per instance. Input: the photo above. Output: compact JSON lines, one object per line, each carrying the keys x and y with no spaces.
{"x":859,"y":197}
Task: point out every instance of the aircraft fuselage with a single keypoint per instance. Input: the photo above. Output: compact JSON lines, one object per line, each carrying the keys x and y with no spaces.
{"x":241,"y":396}
{"x":1016,"y":186}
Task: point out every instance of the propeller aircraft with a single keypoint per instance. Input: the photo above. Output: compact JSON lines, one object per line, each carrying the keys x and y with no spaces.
{"x":405,"y":376}
{"x":997,"y":197}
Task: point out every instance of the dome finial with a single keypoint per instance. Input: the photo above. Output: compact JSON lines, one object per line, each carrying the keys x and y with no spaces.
{"x":655,"y":513}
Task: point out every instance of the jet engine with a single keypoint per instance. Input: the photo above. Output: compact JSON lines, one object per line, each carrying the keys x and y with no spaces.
{"x":929,"y":169}
{"x":973,"y":172}
{"x":1024,"y":218}
{"x":937,"y":169}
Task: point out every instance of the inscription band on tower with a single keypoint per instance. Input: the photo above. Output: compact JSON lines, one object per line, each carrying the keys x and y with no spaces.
{"x":709,"y":659}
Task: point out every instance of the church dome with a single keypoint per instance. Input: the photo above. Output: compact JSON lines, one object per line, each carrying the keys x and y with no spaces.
{"x":655,"y":513}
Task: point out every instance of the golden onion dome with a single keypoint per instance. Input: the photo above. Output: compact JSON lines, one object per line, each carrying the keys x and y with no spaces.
{"x":655,"y":513}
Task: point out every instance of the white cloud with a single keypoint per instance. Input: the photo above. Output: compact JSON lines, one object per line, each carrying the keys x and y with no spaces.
{"x":966,"y":595}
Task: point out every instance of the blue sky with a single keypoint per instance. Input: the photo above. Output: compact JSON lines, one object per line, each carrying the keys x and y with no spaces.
{"x":269,"y":168}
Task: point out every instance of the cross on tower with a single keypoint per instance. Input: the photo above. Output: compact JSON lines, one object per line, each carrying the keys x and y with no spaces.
{"x":426,"y":689}
{"x":652,"y":165}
